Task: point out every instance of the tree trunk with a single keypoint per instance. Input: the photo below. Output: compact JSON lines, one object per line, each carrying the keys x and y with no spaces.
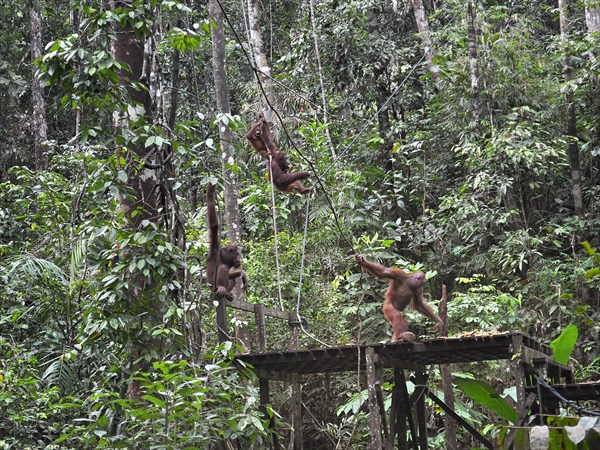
{"x":472,"y":36}
{"x":39,"y":124}
{"x":571,"y":134}
{"x":381,"y":90}
{"x":260,"y":58}
{"x":592,"y":16}
{"x":321,"y":83}
{"x":446,"y":375}
{"x":129,"y":49}
{"x":232,"y":215}
{"x":423,"y":27}
{"x":592,"y":20}
{"x":143,"y":182}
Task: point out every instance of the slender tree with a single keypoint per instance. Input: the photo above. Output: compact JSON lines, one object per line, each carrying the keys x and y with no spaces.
{"x":260,"y":57}
{"x":226,"y":136}
{"x":425,"y":34}
{"x":381,"y":88}
{"x":592,"y":20}
{"x":472,"y":37}
{"x":232,"y":215}
{"x":571,"y":132}
{"x":40,"y":126}
{"x":321,"y":82}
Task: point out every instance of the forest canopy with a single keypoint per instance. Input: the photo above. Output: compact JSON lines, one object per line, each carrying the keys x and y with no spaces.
{"x":456,"y":138}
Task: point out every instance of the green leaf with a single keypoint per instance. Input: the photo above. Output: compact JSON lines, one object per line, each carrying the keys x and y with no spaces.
{"x":563,"y":345}
{"x":588,"y":248}
{"x":595,"y":272}
{"x":485,"y":395}
{"x":155,"y":400}
{"x":149,"y":141}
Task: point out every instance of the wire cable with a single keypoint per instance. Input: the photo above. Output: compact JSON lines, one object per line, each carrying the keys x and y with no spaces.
{"x":275,"y":236}
{"x":570,"y":403}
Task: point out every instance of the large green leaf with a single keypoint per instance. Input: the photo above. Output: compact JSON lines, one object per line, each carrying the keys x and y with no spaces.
{"x":486,"y":395}
{"x":563,"y":345}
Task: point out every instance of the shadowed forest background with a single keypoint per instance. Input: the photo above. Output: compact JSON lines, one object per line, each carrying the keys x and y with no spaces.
{"x":461,"y":138}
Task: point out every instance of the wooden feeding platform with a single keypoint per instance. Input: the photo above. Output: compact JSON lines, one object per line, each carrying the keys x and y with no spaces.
{"x":527,"y":357}
{"x":408,"y":414}
{"x":401,"y":355}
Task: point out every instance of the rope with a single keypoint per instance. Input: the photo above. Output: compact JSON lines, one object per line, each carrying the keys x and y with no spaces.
{"x":302,"y":277}
{"x":272,"y":108}
{"x":275,"y":237}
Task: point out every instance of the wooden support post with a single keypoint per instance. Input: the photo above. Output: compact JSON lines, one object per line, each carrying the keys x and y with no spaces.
{"x":394,"y":412}
{"x":374,"y":416}
{"x":446,"y":375}
{"x":387,"y":445}
{"x":297,"y":413}
{"x":222,"y":330}
{"x":263,"y":386}
{"x":261,"y":335}
{"x":421,"y":380}
{"x":399,"y":410}
{"x":518,"y":370}
{"x":296,"y":387}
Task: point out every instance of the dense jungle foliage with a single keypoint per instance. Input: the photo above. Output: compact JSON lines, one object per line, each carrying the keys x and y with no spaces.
{"x":462,"y":167}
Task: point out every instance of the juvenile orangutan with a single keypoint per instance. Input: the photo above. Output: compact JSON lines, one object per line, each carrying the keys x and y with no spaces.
{"x":261,"y":140}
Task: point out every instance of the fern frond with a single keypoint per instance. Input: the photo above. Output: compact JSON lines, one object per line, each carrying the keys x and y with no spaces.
{"x":37,"y":269}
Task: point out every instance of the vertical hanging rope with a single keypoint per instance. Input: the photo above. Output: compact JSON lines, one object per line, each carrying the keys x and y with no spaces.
{"x":302,"y":257}
{"x":275,"y":235}
{"x":302,"y":277}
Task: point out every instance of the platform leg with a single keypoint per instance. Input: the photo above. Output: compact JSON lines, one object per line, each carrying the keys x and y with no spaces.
{"x":297,"y":413}
{"x":421,"y":379}
{"x":398,"y":413}
{"x":263,"y":386}
{"x":374,"y":416}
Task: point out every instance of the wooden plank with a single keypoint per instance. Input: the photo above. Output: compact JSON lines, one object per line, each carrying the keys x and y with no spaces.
{"x":397,"y":355}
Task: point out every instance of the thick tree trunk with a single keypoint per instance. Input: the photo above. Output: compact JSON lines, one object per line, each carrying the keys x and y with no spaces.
{"x":592,"y":16}
{"x":232,"y":215}
{"x":425,"y":34}
{"x":143,"y":204}
{"x":472,"y":36}
{"x":571,"y":134}
{"x":260,"y":58}
{"x":40,"y":126}
{"x":143,"y":183}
